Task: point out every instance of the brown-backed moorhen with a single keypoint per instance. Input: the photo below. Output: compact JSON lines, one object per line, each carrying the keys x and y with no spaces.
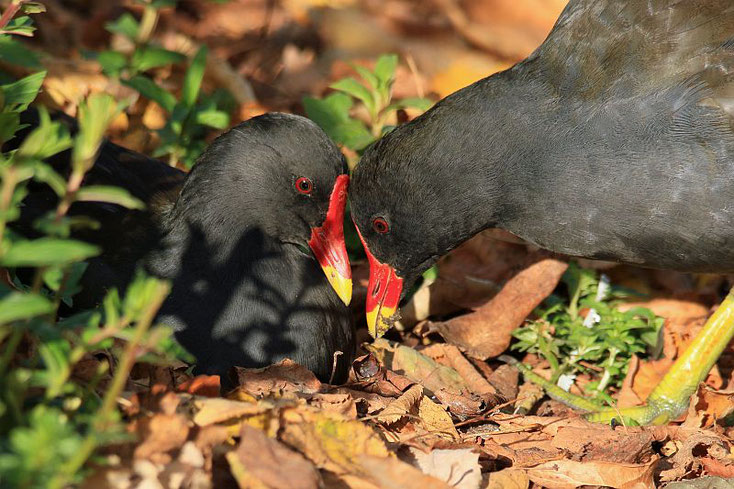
{"x":233,"y":237}
{"x":613,"y":140}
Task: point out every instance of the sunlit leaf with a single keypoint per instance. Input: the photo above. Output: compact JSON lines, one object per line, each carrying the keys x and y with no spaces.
{"x":47,"y":252}
{"x":19,"y":305}
{"x":110,"y":194}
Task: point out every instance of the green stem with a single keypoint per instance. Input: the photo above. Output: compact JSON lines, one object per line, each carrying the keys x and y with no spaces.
{"x":10,"y":180}
{"x":104,"y":414}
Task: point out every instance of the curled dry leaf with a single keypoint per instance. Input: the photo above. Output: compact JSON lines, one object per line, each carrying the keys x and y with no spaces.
{"x":391,"y":473}
{"x":487,"y":331}
{"x":285,"y":376}
{"x":263,"y":463}
{"x":451,"y":356}
{"x":209,"y":411}
{"x":569,"y":474}
{"x":459,"y":468}
{"x":401,"y":407}
{"x":708,"y":406}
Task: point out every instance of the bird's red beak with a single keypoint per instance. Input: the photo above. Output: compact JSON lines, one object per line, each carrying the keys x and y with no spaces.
{"x":327,"y":242}
{"x":383,"y":294}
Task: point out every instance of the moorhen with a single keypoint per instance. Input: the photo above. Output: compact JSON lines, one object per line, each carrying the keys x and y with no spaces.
{"x":613,"y":140}
{"x":233,"y":238}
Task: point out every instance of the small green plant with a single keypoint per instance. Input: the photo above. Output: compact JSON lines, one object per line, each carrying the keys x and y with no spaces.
{"x":336,"y":115}
{"x":599,"y":344}
{"x":50,"y":424}
{"x":335,"y":112}
{"x":190,"y":115}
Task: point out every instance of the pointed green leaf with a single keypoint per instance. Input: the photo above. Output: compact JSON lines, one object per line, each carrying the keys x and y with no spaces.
{"x":47,"y":252}
{"x":193,"y":78}
{"x":125,"y":25}
{"x":368,"y":76}
{"x":46,"y":140}
{"x":95,"y":115}
{"x":352,"y":87}
{"x":213,"y":118}
{"x":385,"y":68}
{"x":112,"y":62}
{"x":148,"y":57}
{"x":150,"y":90}
{"x":23,"y":91}
{"x":19,"y":305}
{"x":113,"y":195}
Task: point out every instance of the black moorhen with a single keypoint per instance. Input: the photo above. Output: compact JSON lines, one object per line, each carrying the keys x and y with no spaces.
{"x":232,"y":237}
{"x":613,"y":140}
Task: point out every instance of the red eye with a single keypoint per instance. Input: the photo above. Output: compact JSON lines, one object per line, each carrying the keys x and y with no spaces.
{"x":304,"y":185}
{"x":380,"y":225}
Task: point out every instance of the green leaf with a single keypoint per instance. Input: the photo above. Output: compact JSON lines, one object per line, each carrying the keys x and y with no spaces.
{"x":46,"y":174}
{"x":368,"y":76}
{"x":95,"y":115}
{"x":32,"y":8}
{"x":46,"y":140}
{"x":9,"y":125}
{"x":110,"y":194}
{"x":44,"y":252}
{"x":112,"y":62}
{"x":125,"y":25}
{"x":194,"y":76}
{"x":24,"y":91}
{"x":212,"y":118}
{"x":150,"y":90}
{"x":415,"y":102}
{"x":385,"y":68}
{"x":148,"y":57}
{"x":332,"y":115}
{"x":163,"y":3}
{"x":22,"y":26}
{"x":19,"y":305}
{"x":14,"y":52}
{"x":352,"y":87}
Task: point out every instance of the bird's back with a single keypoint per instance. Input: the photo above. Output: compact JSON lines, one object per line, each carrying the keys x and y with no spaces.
{"x":631,"y":144}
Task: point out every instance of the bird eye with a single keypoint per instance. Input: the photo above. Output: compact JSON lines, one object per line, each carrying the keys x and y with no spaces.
{"x":304,"y":185}
{"x":380,"y":225}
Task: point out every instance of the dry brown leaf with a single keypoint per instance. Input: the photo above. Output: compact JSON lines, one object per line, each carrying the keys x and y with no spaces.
{"x":335,"y":402}
{"x":284,"y":376}
{"x":456,"y":360}
{"x":417,"y":367}
{"x":202,"y":385}
{"x":435,"y":420}
{"x":569,"y":474}
{"x":330,"y":441}
{"x":263,"y":463}
{"x":160,"y":434}
{"x":391,"y":473}
{"x":401,"y":407}
{"x":708,"y":406}
{"x":459,"y":468}
{"x":508,"y":479}
{"x":487,"y":331}
{"x":209,"y":411}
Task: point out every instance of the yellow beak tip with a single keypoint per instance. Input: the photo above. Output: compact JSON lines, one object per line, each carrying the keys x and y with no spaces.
{"x":376,"y":324}
{"x":341,"y":285}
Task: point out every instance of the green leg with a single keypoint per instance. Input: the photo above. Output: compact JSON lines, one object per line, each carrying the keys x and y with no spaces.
{"x":671,"y":396}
